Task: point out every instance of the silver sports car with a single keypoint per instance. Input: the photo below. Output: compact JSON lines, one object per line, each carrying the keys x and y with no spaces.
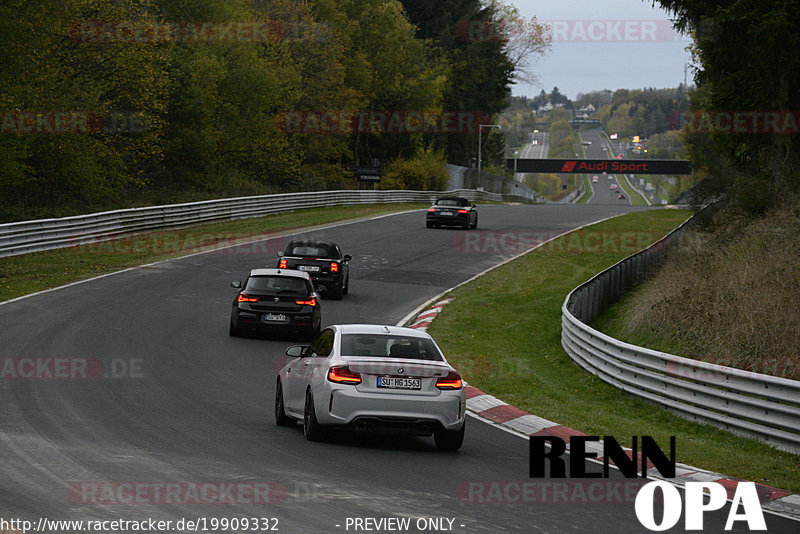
{"x":372,"y":378}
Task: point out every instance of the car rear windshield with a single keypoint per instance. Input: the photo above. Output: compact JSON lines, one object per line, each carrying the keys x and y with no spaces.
{"x":388,"y":346}
{"x":452,"y":202}
{"x":311,"y":250}
{"x":276,"y":284}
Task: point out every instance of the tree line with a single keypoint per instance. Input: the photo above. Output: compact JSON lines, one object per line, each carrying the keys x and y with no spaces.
{"x":742,"y":130}
{"x":114,"y":104}
{"x":644,"y":112}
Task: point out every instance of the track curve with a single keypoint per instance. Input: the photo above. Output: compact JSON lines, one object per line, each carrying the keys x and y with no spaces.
{"x":177,"y":401}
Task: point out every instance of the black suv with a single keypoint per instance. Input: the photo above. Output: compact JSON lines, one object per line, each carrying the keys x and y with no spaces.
{"x":324,"y":263}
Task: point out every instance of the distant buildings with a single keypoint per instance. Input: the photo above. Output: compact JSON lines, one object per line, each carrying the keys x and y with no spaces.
{"x":579,"y":113}
{"x":583,"y":113}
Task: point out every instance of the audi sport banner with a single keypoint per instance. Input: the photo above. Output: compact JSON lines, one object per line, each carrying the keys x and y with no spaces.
{"x":597,"y":166}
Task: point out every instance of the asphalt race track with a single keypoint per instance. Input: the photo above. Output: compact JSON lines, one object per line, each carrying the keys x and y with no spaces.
{"x":171,"y":399}
{"x":602,"y":191}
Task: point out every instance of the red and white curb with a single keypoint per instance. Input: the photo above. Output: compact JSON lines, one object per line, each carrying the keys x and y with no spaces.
{"x":426,"y":317}
{"x":493,"y":409}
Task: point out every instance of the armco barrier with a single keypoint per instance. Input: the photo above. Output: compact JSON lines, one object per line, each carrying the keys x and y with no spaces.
{"x":31,"y":236}
{"x":751,"y":404}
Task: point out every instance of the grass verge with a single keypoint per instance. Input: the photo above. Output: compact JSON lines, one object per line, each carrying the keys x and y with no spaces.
{"x":588,"y":192}
{"x":636,"y":198}
{"x":28,"y":273}
{"x":503,"y":332}
{"x":727,"y":295}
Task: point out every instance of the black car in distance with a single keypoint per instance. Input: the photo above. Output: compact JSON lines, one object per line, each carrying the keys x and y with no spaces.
{"x":276,"y":301}
{"x":324,"y":262}
{"x":452,"y":211}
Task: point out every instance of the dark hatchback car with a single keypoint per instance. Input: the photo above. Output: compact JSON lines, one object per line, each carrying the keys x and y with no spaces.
{"x":324,"y":262}
{"x":276,"y":301}
{"x":452,"y":211}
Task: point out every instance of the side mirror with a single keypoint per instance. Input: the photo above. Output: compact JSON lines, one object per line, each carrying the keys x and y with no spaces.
{"x":296,"y":351}
{"x":279,"y":253}
{"x":237,"y":284}
{"x":348,"y":257}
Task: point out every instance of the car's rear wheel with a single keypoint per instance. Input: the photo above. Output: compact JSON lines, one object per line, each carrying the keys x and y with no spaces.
{"x":475,"y":224}
{"x":335,"y":292}
{"x":429,"y":224}
{"x":449,"y":440}
{"x":346,"y":286}
{"x":312,"y":430}
{"x":281,"y":419}
{"x":233,"y":331}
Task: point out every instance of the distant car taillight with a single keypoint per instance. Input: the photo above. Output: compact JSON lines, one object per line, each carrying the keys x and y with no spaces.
{"x":246,"y":298}
{"x":309,"y":302}
{"x":432,"y":210}
{"x":334,"y":267}
{"x":463,"y":211}
{"x":282,"y":264}
{"x":451,"y":381}
{"x":343,"y":375}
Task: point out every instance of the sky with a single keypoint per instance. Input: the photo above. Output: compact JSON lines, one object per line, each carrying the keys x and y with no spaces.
{"x":605,"y":44}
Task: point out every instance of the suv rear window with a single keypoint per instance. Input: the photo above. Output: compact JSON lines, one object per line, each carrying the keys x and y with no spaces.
{"x":275,"y":284}
{"x":387,"y":346}
{"x":311,"y":250}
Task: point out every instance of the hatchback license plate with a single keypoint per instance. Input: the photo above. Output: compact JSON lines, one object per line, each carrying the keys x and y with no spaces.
{"x":391,"y":382}
{"x":309,"y":268}
{"x":275,"y":317}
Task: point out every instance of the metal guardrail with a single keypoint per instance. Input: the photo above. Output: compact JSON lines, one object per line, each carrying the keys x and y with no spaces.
{"x":45,"y":234}
{"x":743,"y":402}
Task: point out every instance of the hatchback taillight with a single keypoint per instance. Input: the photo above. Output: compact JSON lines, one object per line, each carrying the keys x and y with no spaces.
{"x":246,"y":298}
{"x":334,"y":267}
{"x":343,"y":375}
{"x":463,"y":211}
{"x":451,"y":381}
{"x":282,"y":264}
{"x":307,"y":302}
{"x":432,"y":210}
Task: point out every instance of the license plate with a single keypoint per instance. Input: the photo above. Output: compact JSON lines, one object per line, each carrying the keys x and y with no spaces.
{"x":445,"y":213}
{"x":276,"y":317}
{"x":309,"y":268}
{"x":391,"y":382}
